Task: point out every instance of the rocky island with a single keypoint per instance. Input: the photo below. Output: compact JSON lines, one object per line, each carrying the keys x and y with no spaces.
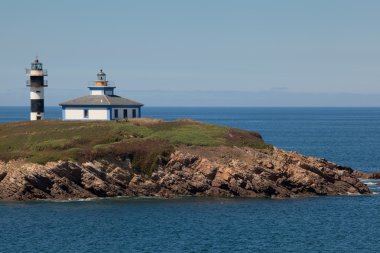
{"x":148,"y":157}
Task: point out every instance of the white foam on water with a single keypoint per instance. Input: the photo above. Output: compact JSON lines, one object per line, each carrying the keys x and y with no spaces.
{"x":71,"y":200}
{"x":353,"y":194}
{"x":371,"y":181}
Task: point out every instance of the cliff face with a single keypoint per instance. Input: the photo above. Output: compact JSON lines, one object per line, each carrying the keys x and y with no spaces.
{"x":201,"y":171}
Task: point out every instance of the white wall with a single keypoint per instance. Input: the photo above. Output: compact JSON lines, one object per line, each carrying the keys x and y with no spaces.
{"x":36,"y":92}
{"x":34,"y":72}
{"x":34,"y":115}
{"x":97,"y":92}
{"x":101,"y":92}
{"x":78,"y":114}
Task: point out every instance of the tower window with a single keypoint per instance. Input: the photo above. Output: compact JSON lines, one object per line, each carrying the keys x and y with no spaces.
{"x":85,"y":113}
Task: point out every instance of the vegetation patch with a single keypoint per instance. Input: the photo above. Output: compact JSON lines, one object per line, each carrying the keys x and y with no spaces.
{"x":59,"y":144}
{"x":146,"y":142}
{"x":145,"y":155}
{"x":242,"y":138}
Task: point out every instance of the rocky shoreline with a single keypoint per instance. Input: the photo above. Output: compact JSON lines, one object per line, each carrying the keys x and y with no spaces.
{"x":190,"y":171}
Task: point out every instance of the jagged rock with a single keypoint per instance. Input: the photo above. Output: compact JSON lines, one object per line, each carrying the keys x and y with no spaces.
{"x":218,"y":171}
{"x":364,"y":175}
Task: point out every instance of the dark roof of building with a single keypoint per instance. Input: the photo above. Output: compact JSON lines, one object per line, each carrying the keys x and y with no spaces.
{"x":101,"y":100}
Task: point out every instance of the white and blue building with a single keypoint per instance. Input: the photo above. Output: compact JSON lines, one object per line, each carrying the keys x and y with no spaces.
{"x":101,"y":104}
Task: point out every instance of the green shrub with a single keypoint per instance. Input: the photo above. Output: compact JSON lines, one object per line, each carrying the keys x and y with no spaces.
{"x":145,"y":155}
{"x":43,"y":158}
{"x":147,"y":142}
{"x":59,"y":144}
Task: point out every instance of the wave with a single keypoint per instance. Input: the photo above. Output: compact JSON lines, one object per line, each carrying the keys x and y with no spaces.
{"x":72,"y":200}
{"x":370,"y":183}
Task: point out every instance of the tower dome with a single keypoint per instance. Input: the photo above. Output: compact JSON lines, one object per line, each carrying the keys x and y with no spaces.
{"x":102,"y":80}
{"x":101,"y":75}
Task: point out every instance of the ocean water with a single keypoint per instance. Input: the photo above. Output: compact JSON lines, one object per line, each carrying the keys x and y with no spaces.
{"x":348,"y":136}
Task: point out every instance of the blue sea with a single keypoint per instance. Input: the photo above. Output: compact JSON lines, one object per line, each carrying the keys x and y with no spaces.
{"x":348,"y":136}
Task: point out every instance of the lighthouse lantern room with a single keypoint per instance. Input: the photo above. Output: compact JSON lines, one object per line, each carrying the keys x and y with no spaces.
{"x":36,"y":83}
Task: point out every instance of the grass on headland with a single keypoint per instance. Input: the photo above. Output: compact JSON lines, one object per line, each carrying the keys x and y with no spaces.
{"x":146,"y":142}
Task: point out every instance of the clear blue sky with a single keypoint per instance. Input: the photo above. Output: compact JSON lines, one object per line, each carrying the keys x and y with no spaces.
{"x":201,"y":52}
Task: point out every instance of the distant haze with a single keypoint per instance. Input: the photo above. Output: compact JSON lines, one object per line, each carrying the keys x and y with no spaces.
{"x":197,"y":53}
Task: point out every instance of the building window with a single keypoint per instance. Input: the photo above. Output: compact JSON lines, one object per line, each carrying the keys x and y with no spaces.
{"x":85,"y":113}
{"x":125,"y":113}
{"x":116,"y":114}
{"x":134,"y":113}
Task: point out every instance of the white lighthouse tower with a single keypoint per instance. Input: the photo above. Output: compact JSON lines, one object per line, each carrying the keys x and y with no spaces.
{"x":37,"y":84}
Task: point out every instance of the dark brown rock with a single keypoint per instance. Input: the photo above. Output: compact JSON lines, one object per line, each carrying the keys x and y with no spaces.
{"x":218,"y":171}
{"x":360,"y":174}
